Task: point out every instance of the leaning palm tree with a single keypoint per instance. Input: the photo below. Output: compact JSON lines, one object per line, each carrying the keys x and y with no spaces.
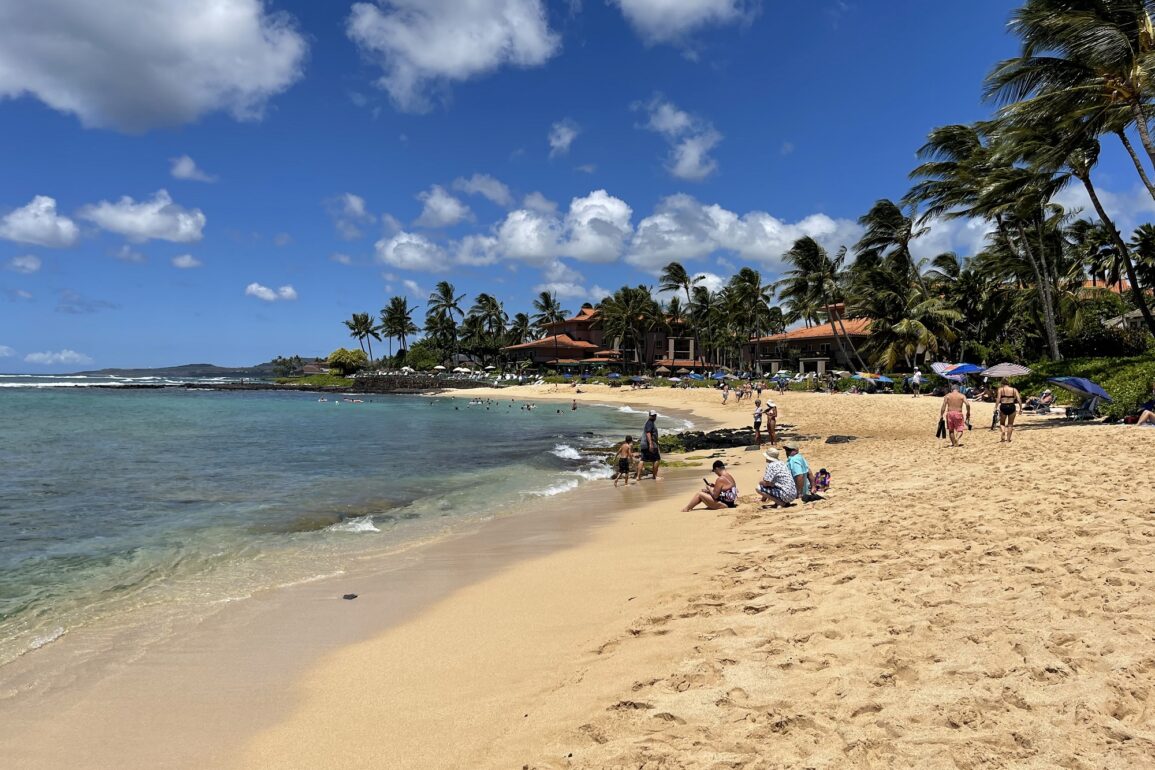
{"x":549,"y":310}
{"x":441,"y":314}
{"x":816,"y":273}
{"x":889,"y":230}
{"x":675,"y":277}
{"x":362,"y":328}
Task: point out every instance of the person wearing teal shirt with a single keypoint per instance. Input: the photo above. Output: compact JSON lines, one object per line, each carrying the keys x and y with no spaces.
{"x":799,"y":468}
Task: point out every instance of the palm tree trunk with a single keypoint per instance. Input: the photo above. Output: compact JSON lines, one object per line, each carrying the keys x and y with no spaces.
{"x":1042,"y":288}
{"x":833,"y":328}
{"x":850,"y":342}
{"x":1136,"y":291}
{"x":1138,"y":163}
{"x":1141,"y":127}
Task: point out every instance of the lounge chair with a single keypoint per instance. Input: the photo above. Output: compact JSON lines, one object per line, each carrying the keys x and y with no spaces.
{"x":1088,"y":410}
{"x":1040,"y":405}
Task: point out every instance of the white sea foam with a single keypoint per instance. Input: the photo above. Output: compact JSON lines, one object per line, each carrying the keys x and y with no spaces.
{"x":594,"y":472}
{"x":566,"y":452}
{"x":46,"y":639}
{"x":312,"y":579}
{"x":359,"y":524}
{"x":559,"y":488}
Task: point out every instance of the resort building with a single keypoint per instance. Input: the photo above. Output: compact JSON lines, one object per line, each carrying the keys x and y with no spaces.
{"x":812,"y":348}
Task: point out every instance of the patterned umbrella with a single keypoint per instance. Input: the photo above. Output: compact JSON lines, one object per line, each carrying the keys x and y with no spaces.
{"x":1006,"y":370}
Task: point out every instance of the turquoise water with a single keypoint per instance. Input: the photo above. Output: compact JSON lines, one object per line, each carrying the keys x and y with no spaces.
{"x":116,"y":500}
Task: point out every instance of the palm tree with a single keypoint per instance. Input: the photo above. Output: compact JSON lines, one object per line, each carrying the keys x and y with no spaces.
{"x":675,"y":277}
{"x":520,"y":330}
{"x":816,"y":274}
{"x":361,"y":326}
{"x":549,"y":311}
{"x":397,"y":321}
{"x":493,"y":319}
{"x":889,"y":231}
{"x":441,"y":314}
{"x":627,"y":316}
{"x":748,"y":303}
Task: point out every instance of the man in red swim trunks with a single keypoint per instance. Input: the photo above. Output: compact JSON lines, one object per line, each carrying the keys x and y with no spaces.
{"x":953,"y":406}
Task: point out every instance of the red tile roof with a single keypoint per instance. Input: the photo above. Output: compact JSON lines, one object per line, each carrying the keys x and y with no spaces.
{"x":556,"y":340}
{"x":856,"y":327}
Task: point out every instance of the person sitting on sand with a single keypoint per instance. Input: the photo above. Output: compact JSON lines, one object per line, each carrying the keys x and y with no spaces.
{"x":777,"y":485}
{"x":1147,"y":410}
{"x":624,"y":455}
{"x":800,"y":470}
{"x":953,"y":404}
{"x":723,"y":493}
{"x":821,"y":481}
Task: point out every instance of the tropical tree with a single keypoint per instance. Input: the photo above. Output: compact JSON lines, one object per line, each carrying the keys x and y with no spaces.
{"x":397,"y":321}
{"x":674,"y":278}
{"x":520,"y":329}
{"x":888,"y":232}
{"x":441,"y":315}
{"x":816,"y":274}
{"x":628,"y":315}
{"x":362,"y":328}
{"x":549,"y":311}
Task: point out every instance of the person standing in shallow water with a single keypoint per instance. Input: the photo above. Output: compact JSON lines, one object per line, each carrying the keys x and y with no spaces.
{"x":650,"y":451}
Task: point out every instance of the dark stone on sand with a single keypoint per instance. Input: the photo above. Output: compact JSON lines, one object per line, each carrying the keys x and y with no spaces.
{"x":724,"y":438}
{"x":840,"y":439}
{"x":350,"y":597}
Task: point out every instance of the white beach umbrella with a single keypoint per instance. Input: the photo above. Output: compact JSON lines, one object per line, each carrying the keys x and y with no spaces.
{"x":1006,"y":370}
{"x":439,"y":368}
{"x":490,"y":368}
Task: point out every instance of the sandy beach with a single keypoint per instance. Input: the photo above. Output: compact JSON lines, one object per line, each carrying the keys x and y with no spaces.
{"x":944,"y":608}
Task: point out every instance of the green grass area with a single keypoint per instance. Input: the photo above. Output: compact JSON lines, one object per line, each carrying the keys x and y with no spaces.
{"x":317,"y":381}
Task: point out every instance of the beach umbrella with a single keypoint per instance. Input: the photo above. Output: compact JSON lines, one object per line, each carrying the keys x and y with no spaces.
{"x":719,"y":375}
{"x":695,"y":376}
{"x":439,"y":368}
{"x":662,"y":370}
{"x":683,"y":370}
{"x":675,"y":379}
{"x":1006,"y":370}
{"x":942,"y":368}
{"x":490,"y":368}
{"x":406,"y":368}
{"x":614,"y":375}
{"x":964,"y":368}
{"x":1081,"y":386}
{"x":882,"y":378}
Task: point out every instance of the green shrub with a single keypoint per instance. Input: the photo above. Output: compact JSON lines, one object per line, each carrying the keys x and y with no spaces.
{"x":1127,"y":380}
{"x":317,"y":381}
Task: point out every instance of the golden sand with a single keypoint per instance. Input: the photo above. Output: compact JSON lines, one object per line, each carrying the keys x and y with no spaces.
{"x":986,"y":606}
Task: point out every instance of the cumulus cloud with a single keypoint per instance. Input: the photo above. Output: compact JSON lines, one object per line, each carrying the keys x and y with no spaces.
{"x":50,"y":358}
{"x":441,"y":209}
{"x":487,"y":187}
{"x":665,"y":21}
{"x":477,"y":250}
{"x":529,"y":235}
{"x":186,"y":262}
{"x":349,"y":215}
{"x":120,"y":64}
{"x":128,"y":254}
{"x":158,"y":218}
{"x":411,"y":251}
{"x":561,"y":136}
{"x":26,"y":264}
{"x":597,"y":226}
{"x":414,"y":289}
{"x":6,"y":352}
{"x":690,"y":138}
{"x":38,"y":223}
{"x":535,"y":201}
{"x":270,"y":295}
{"x":683,"y":229}
{"x":185,"y":168}
{"x":424,"y":44}
{"x":341,"y":259}
{"x":75,"y":303}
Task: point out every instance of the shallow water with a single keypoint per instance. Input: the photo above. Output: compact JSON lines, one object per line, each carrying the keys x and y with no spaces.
{"x":117,"y":501}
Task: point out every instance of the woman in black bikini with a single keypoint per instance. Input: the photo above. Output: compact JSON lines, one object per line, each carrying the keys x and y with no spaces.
{"x":1007,"y":402}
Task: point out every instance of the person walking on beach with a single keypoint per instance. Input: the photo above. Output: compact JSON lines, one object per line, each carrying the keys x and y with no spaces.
{"x":953,"y":404}
{"x":1009,"y":402}
{"x":916,"y":382}
{"x":624,"y":455}
{"x":758,"y":423}
{"x":725,"y":392}
{"x":723,"y":493}
{"x":650,"y":451}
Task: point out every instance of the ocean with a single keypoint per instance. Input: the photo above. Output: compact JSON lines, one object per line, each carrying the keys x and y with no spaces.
{"x":127,"y":506}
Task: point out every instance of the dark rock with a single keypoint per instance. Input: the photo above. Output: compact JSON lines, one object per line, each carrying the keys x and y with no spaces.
{"x":724,"y":438}
{"x":840,"y":439}
{"x":350,"y":597}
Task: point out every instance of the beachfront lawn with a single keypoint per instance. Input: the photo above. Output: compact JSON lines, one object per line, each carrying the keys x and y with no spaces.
{"x":317,"y":381}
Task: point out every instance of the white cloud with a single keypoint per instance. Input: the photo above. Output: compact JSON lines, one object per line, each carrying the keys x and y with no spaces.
{"x":22,"y":294}
{"x":186,"y":262}
{"x":39,"y":223}
{"x":349,"y":215}
{"x":535,"y":201}
{"x":424,"y":44}
{"x":128,"y":254}
{"x":411,"y":251}
{"x":270,"y":295}
{"x":6,"y":352}
{"x":664,"y":21}
{"x":529,"y":235}
{"x":681,"y":229}
{"x":414,"y":289}
{"x":561,"y":136}
{"x":441,"y":209}
{"x":587,"y":168}
{"x":185,"y":168}
{"x":341,"y":259}
{"x":50,"y":358}
{"x":597,"y":226}
{"x":477,"y":250}
{"x":486,"y":186}
{"x":132,"y":66}
{"x":26,"y":264}
{"x":691,"y":139}
{"x":158,"y":218}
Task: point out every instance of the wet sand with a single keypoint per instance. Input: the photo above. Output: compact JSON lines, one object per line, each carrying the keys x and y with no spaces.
{"x":986,"y":606}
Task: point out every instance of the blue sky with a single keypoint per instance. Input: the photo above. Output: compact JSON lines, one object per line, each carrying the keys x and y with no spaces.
{"x":185,"y":187}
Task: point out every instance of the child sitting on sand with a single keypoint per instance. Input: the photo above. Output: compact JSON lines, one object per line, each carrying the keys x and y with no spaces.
{"x":624,"y":455}
{"x":822,"y":481}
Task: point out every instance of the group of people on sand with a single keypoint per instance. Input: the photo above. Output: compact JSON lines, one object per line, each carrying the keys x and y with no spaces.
{"x":746,"y":390}
{"x":956,"y":412}
{"x":649,"y":453}
{"x":784,"y":482}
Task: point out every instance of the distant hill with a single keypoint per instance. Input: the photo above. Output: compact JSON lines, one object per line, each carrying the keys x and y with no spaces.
{"x":192,"y":370}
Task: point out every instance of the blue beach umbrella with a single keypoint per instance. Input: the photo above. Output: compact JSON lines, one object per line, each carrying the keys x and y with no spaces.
{"x":695,"y":376}
{"x":1081,"y":386}
{"x":883,"y":378}
{"x":719,"y":375}
{"x":964,"y":369}
{"x":613,"y":375}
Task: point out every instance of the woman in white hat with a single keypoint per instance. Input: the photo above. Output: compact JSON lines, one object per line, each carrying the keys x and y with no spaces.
{"x":777,"y":484}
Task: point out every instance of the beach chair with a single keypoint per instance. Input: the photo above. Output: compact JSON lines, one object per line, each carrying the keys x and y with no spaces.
{"x":1088,"y":410}
{"x":1040,"y":405}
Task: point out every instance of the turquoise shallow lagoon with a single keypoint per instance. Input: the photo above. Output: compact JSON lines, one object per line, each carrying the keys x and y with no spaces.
{"x":113,"y":501}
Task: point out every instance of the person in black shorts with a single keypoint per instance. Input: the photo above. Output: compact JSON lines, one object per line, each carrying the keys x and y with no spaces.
{"x":625,"y":454}
{"x":650,"y":451}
